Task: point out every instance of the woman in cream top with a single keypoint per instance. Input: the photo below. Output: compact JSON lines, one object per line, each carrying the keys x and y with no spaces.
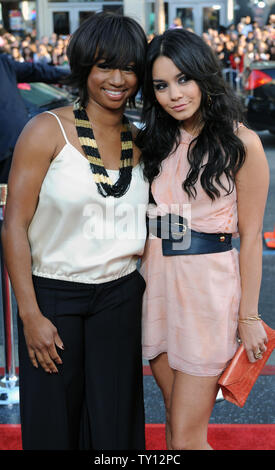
{"x":92,"y":239}
{"x":73,"y":231}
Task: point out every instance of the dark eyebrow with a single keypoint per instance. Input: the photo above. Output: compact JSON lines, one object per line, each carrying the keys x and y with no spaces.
{"x":108,"y":63}
{"x":162,"y":80}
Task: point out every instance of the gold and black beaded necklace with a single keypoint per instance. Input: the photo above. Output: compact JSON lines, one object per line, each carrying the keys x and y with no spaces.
{"x":88,"y":143}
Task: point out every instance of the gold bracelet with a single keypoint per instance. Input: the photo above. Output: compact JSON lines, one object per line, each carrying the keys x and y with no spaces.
{"x":249,"y":319}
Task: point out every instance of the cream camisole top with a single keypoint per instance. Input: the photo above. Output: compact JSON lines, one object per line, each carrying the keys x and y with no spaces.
{"x":78,"y":235}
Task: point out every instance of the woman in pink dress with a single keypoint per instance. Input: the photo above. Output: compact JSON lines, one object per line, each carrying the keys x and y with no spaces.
{"x":206,"y":168}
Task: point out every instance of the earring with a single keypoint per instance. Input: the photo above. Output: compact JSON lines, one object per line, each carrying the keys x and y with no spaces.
{"x":209,"y":100}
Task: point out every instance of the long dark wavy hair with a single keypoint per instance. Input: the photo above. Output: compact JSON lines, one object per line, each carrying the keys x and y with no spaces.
{"x":220,"y":111}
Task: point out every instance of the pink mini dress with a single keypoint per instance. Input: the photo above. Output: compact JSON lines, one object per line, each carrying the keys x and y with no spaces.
{"x":191,"y":302}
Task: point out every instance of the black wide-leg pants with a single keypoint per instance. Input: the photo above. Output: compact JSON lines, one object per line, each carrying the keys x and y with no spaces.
{"x":95,"y":401}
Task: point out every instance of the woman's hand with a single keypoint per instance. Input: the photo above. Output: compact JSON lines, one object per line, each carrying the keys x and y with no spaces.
{"x":254,"y":339}
{"x":41,"y":339}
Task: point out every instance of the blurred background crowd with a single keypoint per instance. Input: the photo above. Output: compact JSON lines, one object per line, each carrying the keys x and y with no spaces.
{"x":236,"y":46}
{"x":50,"y":50}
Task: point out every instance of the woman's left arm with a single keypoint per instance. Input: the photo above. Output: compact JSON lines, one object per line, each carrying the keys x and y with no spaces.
{"x":252,"y":183}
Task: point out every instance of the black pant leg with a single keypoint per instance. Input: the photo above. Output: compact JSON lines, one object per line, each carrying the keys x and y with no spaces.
{"x":114,"y":378}
{"x":51,"y":404}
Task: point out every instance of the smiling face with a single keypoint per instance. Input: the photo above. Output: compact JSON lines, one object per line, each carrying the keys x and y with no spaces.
{"x":178,"y":95}
{"x":111,"y":88}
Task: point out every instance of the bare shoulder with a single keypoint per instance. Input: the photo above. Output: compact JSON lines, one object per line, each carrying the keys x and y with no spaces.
{"x":252,"y":144}
{"x":43,"y":124}
{"x":39,"y":138}
{"x":43,"y":131}
{"x":250,"y":138}
{"x":64,"y":113}
{"x":255,"y":168}
{"x":32,"y":157}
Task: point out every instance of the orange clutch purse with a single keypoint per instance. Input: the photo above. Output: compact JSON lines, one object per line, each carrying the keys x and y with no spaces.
{"x":240,"y":375}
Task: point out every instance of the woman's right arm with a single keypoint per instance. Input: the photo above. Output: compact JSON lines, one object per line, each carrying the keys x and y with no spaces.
{"x":33,"y":153}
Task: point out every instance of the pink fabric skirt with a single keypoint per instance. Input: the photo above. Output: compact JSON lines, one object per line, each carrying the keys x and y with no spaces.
{"x":190,"y":309}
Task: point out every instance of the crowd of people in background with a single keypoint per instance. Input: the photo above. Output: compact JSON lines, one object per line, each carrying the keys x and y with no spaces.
{"x":236,"y":45}
{"x":49,"y":49}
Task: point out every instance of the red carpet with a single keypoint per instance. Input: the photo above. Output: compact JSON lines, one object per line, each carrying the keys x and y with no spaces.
{"x":221,"y":436}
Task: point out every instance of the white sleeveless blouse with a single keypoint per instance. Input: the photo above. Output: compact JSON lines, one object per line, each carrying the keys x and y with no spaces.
{"x":78,"y":235}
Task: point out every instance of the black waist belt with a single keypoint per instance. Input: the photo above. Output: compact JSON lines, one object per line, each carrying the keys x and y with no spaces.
{"x":179,"y":239}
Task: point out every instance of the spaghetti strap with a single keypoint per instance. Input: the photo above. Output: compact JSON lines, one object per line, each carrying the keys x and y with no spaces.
{"x":60,"y":125}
